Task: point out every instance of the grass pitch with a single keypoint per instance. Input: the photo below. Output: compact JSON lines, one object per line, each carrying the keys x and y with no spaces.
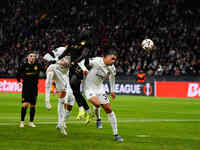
{"x":145,"y":123}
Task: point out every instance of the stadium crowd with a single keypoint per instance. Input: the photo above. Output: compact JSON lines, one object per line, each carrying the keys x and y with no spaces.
{"x":43,"y":25}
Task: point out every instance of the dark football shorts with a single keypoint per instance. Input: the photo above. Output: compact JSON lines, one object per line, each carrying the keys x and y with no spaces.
{"x":31,"y":100}
{"x":29,"y":93}
{"x":77,"y":71}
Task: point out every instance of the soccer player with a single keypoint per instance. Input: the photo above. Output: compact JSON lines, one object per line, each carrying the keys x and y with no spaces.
{"x":102,"y":68}
{"x":29,"y":72}
{"x":58,"y":71}
{"x":78,"y":51}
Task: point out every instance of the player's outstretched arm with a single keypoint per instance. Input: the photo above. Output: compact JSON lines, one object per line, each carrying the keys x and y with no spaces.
{"x":65,"y":53}
{"x":48,"y":83}
{"x":112,"y":81}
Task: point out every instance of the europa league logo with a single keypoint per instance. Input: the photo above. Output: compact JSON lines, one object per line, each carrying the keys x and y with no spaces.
{"x":148,"y":89}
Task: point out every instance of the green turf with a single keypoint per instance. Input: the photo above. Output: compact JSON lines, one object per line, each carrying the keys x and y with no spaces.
{"x":145,"y":123}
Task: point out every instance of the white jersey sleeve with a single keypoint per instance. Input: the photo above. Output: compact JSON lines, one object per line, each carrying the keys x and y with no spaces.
{"x":48,"y":57}
{"x":92,"y":62}
{"x":112,"y":78}
{"x":82,"y":65}
{"x":57,"y":52}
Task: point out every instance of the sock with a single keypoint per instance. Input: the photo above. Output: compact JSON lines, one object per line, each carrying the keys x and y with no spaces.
{"x":48,"y":85}
{"x":81,"y":108}
{"x":97,"y":112}
{"x":23,"y":113}
{"x":32,"y":113}
{"x":113,"y":121}
{"x":61,"y":111}
{"x":67,"y":114}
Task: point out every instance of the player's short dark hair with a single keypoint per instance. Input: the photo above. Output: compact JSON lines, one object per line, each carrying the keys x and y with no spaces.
{"x":30,"y":52}
{"x":110,"y":51}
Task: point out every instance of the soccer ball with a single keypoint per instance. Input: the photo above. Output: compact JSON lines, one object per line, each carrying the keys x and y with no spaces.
{"x":147,"y":44}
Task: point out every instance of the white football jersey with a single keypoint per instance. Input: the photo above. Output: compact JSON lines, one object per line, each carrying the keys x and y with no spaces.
{"x":61,"y":74}
{"x":98,"y":73}
{"x":57,"y":52}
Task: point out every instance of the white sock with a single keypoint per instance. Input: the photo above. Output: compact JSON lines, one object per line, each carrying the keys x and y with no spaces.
{"x":113,"y":121}
{"x":61,"y":111}
{"x":48,"y":85}
{"x":97,"y":112}
{"x":67,"y":114}
{"x":81,"y":108}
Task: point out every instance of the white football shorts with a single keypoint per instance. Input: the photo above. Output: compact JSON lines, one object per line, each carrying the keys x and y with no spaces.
{"x":101,"y":96}
{"x":59,"y":76}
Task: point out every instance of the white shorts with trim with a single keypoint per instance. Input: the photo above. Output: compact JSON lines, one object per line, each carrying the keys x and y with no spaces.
{"x":101,"y":96}
{"x":60,"y":78}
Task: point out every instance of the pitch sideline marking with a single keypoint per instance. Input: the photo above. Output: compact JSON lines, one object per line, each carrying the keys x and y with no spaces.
{"x":120,"y":121}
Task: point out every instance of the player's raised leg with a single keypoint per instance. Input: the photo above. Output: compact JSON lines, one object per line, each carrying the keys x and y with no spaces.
{"x":94,"y":100}
{"x":75,"y":85}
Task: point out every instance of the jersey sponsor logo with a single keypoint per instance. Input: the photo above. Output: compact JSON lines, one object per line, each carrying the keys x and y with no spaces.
{"x":100,"y":76}
{"x":193,"y":90}
{"x":76,"y":46}
{"x":77,"y":70}
{"x":30,"y":73}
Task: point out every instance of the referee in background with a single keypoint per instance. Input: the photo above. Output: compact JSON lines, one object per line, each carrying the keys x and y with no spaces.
{"x":29,"y":72}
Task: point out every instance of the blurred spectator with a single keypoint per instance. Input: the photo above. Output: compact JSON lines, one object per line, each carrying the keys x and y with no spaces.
{"x":44,"y":25}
